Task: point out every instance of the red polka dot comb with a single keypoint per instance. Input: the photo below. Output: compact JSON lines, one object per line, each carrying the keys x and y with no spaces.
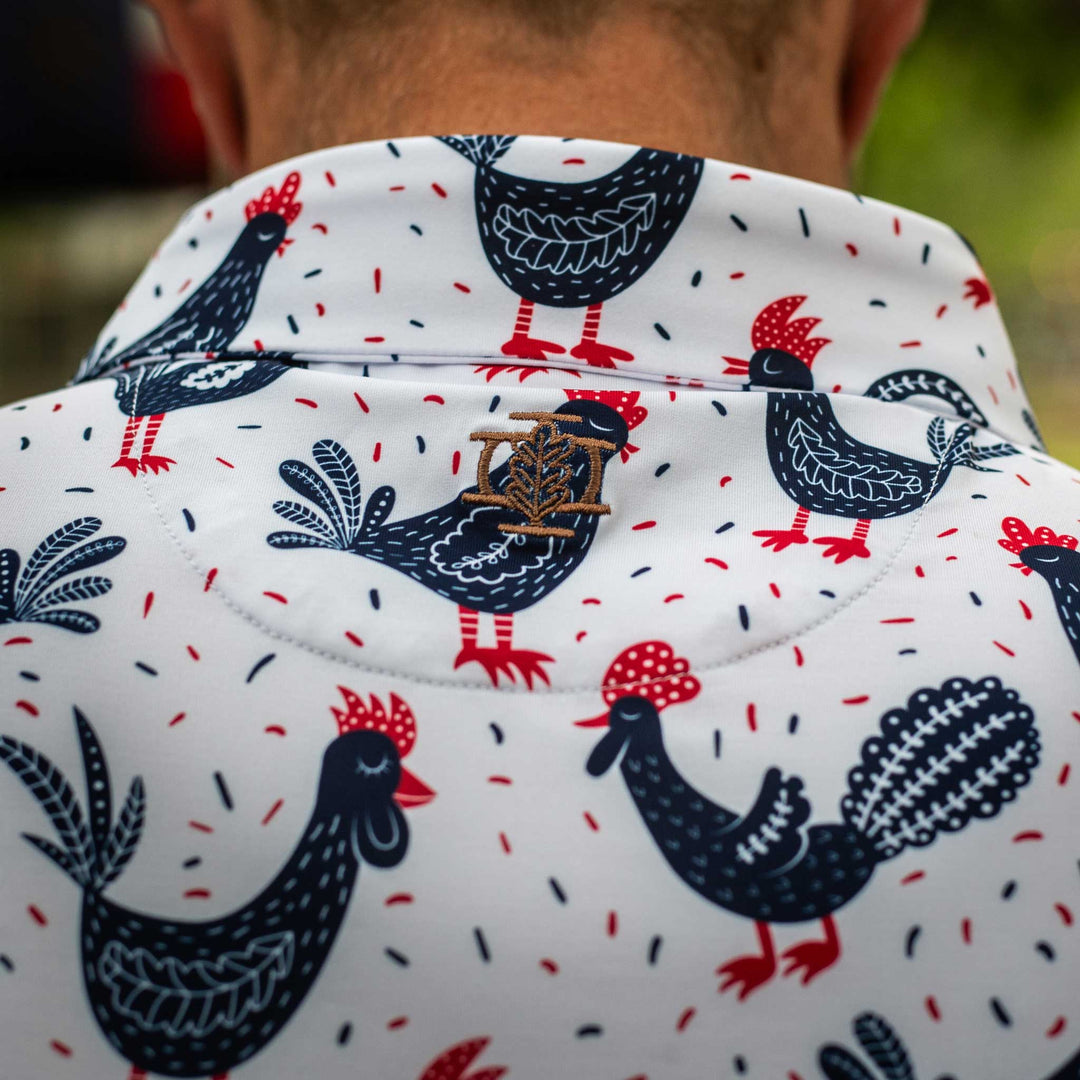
{"x":774,"y":328}
{"x":1018,"y":537}
{"x":452,"y":1064}
{"x":398,"y":725}
{"x":624,"y":402}
{"x":650,"y":670}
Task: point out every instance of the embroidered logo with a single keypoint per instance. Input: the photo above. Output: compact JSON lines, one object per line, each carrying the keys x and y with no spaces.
{"x":540,"y":469}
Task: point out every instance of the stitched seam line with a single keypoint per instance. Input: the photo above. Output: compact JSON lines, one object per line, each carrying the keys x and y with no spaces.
{"x":408,"y":676}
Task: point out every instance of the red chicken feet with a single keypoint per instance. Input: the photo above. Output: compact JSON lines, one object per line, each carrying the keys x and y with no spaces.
{"x":814,"y":957}
{"x":146,"y":460}
{"x":778,"y":539}
{"x":522,"y":345}
{"x":597,"y":353}
{"x":502,"y":659}
{"x":749,"y":973}
{"x":842,"y":548}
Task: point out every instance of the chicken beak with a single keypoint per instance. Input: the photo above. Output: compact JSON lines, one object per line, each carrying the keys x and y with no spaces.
{"x":412,"y":791}
{"x":594,"y":721}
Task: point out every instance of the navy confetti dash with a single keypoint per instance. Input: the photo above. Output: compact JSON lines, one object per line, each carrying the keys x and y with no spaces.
{"x":557,"y":889}
{"x":1008,"y":890}
{"x":29,"y":676}
{"x":344,"y":1034}
{"x":393,"y":149}
{"x":248,"y":427}
{"x":976,"y":496}
{"x":878,"y":303}
{"x":24,"y":442}
{"x":907,"y":652}
{"x":189,"y":521}
{"x":259,"y":665}
{"x":6,"y":962}
{"x":373,"y":596}
{"x":695,"y":281}
{"x":420,"y":444}
{"x":190,"y":864}
{"x":925,"y":254}
{"x":739,"y":223}
{"x":827,"y":592}
{"x":793,"y":724}
{"x":587,"y":1030}
{"x":497,"y":732}
{"x":157,"y":290}
{"x":399,"y":958}
{"x":86,"y":434}
{"x":975,"y":599}
{"x":654,"y":948}
{"x":744,"y":617}
{"x":661,"y":331}
{"x":145,"y":667}
{"x":909,"y":941}
{"x":1046,"y":949}
{"x":719,"y":408}
{"x":1000,"y":1013}
{"x":981,"y":351}
{"x":739,"y":1064}
{"x":313,"y":273}
{"x":805,"y":223}
{"x":482,"y":945}
{"x":292,"y":324}
{"x":417,"y":323}
{"x":223,"y":790}
{"x":416,"y":229}
{"x":494,"y":403}
{"x":193,"y":243}
{"x":641,"y":570}
{"x":86,"y":489}
{"x":716,"y":742}
{"x":724,"y":528}
{"x":661,"y":469}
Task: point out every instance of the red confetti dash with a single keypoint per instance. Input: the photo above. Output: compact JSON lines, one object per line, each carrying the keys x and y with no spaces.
{"x":915,"y":875}
{"x":268,"y":817}
{"x":852,"y":250}
{"x":196,"y":894}
{"x":932,"y":1008}
{"x":358,"y":642}
{"x":685,"y":1018}
{"x":361,"y":402}
{"x":1025,"y":609}
{"x":612,"y":923}
{"x":1056,"y":1028}
{"x":397,"y":1022}
{"x":461,"y":288}
{"x":258,"y":344}
{"x":500,"y":780}
{"x":674,"y":596}
{"x":19,"y":641}
{"x":549,"y":966}
{"x":308,"y":402}
{"x":574,"y":161}
{"x":751,"y":716}
{"x":398,"y":187}
{"x":399,"y":898}
{"x":799,"y":661}
{"x":27,"y":707}
{"x":184,"y":286}
{"x":993,"y":394}
{"x":1063,"y":775}
{"x":965,"y":931}
{"x":941,"y":310}
{"x":193,"y":652}
{"x":275,"y":596}
{"x":58,"y":406}
{"x":774,"y":589}
{"x":375,"y":338}
{"x":227,"y":464}
{"x":61,"y":1048}
{"x":1005,"y":649}
{"x":377,"y":453}
{"x":591,"y":822}
{"x":739,"y":176}
{"x":1023,"y":481}
{"x":910,"y":344}
{"x":440,"y":191}
{"x":590,"y":600}
{"x":378,"y":279}
{"x":920,"y":572}
{"x":177,"y":718}
{"x":896,"y":226}
{"x":455,"y":463}
{"x":330,"y":178}
{"x":899,"y":619}
{"x":643,"y":525}
{"x":947,"y":532}
{"x":725,"y":480}
{"x":1076,"y":716}
{"x":201,"y":826}
{"x":148,"y":603}
{"x":274,"y":729}
{"x":738,"y":274}
{"x":321,"y":227}
{"x":505,"y":841}
{"x":37,"y":915}
{"x":1028,"y":834}
{"x":717,"y":562}
{"x":861,"y":699}
{"x":581,"y":635}
{"x":435,"y":397}
{"x":793,"y":1075}
{"x":1065,"y":914}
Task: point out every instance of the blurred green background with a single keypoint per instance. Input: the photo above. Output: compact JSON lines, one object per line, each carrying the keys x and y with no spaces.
{"x":980,"y":128}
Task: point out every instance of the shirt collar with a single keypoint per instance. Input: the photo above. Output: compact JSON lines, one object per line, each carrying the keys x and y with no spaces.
{"x":421,"y":249}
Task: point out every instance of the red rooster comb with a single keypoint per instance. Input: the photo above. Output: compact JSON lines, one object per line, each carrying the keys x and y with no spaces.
{"x":1018,"y":537}
{"x":624,"y":402}
{"x":650,"y":670}
{"x":453,"y":1063}
{"x":774,"y":328}
{"x":278,"y":202}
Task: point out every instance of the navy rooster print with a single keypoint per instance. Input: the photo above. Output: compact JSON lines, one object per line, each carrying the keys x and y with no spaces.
{"x":954,"y":753}
{"x":194,"y":999}
{"x":497,"y":547}
{"x":205,"y":324}
{"x":819,"y":465}
{"x":568,"y":244}
{"x":1055,"y":559}
{"x":38,"y":594}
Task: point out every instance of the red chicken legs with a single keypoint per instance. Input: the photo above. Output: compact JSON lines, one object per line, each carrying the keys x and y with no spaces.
{"x":503,"y":658}
{"x":146,"y":460}
{"x":753,"y":971}
{"x":595,"y":353}
{"x":840,"y":548}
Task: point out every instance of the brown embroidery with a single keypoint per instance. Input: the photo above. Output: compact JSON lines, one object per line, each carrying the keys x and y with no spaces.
{"x":540,"y":469}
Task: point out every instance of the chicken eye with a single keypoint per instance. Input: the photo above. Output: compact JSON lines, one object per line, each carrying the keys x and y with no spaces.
{"x":264,"y":237}
{"x":364,"y":769}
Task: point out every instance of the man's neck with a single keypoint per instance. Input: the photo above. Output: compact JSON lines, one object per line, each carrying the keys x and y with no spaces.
{"x":624,"y":82}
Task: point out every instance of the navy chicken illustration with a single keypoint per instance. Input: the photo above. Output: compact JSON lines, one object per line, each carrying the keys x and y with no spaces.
{"x":185,"y":998}
{"x":952,"y":754}
{"x":1055,"y":559}
{"x":499,"y":546}
{"x":825,"y":470}
{"x":204,"y":324}
{"x":575,"y":244}
{"x":39,"y":592}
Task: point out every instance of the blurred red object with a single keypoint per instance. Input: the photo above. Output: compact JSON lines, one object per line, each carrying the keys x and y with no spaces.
{"x":170,"y":143}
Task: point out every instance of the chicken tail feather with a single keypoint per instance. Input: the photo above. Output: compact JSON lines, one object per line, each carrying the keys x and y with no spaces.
{"x":479,"y":149}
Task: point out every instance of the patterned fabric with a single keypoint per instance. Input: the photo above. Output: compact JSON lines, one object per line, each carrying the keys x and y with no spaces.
{"x":441,"y":451}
